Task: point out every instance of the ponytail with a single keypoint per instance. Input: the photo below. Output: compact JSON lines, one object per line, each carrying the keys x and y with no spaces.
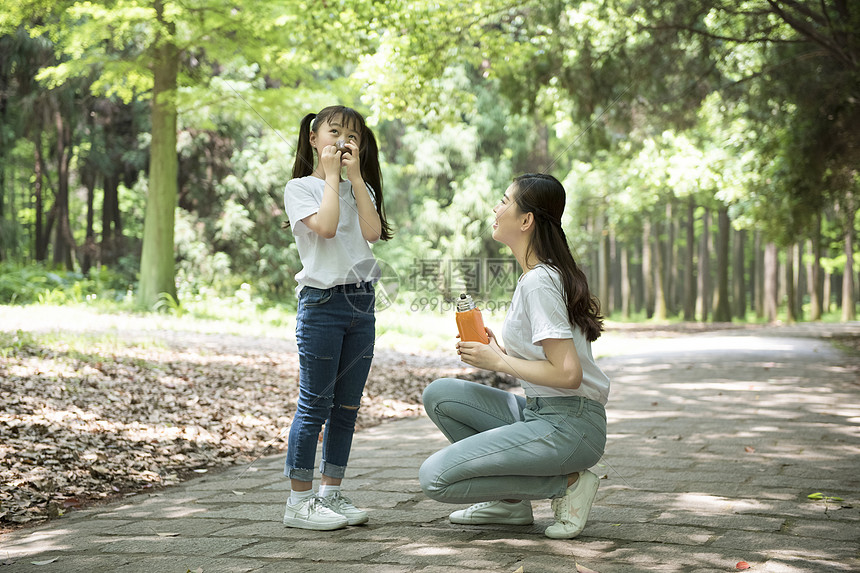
{"x":543,"y":195}
{"x":304,"y":164}
{"x":372,"y":174}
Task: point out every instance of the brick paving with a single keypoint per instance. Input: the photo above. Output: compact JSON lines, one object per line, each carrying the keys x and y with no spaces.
{"x":715,"y":443}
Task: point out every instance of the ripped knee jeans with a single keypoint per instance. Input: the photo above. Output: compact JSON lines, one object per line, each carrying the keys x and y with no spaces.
{"x":335,"y":334}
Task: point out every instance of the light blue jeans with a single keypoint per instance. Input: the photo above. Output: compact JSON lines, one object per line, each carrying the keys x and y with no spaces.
{"x":335,"y":334}
{"x":504,"y":446}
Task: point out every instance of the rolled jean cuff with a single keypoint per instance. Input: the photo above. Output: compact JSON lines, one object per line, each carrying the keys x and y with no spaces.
{"x":332,"y":470}
{"x":300,"y":474}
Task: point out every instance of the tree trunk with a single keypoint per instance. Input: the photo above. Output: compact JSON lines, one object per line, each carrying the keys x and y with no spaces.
{"x":848,"y":310}
{"x":813,"y":272}
{"x":669,"y":266}
{"x":603,"y":265}
{"x":157,"y":261}
{"x":637,"y":279}
{"x":827,"y":290}
{"x":788,"y":274}
{"x":660,"y":312}
{"x":647,"y":272}
{"x":703,"y":286}
{"x":111,"y":225}
{"x":799,"y":280}
{"x":4,"y":148}
{"x":64,"y":242}
{"x":722,"y":310}
{"x":41,"y":253}
{"x":625,"y":284}
{"x":88,"y":178}
{"x":615,"y":272}
{"x":758,"y":294}
{"x":771,"y":287}
{"x":689,"y":273}
{"x":739,"y":295}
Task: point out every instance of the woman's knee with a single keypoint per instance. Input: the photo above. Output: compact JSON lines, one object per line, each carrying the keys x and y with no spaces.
{"x":436,"y":391}
{"x":428,"y":478}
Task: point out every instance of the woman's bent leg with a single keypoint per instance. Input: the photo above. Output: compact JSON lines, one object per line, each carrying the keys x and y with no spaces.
{"x":524,"y":460}
{"x":460,"y":408}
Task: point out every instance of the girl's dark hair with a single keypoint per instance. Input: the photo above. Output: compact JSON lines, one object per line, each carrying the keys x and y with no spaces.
{"x":368,"y":152}
{"x":543,"y":195}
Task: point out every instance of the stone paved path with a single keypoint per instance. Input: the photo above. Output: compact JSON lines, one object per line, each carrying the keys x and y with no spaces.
{"x":716,"y":441}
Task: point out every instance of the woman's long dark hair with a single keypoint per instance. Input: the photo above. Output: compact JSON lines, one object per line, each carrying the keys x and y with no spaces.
{"x":543,"y":195}
{"x":368,"y":153}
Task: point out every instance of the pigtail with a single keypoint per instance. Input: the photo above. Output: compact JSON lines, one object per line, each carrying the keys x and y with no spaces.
{"x":304,"y":164}
{"x":372,"y":175}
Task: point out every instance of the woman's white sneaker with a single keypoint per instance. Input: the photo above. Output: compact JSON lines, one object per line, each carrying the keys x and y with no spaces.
{"x":571,"y":510}
{"x":342,"y":505}
{"x":313,"y":513}
{"x":496,"y":512}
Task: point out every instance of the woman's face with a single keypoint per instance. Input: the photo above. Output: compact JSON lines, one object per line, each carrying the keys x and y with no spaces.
{"x":507,"y":224}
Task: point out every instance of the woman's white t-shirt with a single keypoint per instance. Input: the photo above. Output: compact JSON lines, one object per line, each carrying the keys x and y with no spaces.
{"x":538,"y":312}
{"x":343,"y":259}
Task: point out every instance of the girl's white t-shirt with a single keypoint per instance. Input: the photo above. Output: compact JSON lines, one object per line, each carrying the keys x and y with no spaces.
{"x":345,"y":258}
{"x":538,"y":312}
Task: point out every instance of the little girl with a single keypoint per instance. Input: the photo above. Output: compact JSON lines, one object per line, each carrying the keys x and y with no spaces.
{"x":332,"y":221}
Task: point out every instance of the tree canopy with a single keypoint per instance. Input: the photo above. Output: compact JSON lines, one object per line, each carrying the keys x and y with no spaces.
{"x":654,"y":114}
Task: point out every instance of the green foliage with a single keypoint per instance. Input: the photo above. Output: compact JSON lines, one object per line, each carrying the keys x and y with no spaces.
{"x":27,"y":284}
{"x":634,"y":104}
{"x":16,"y":344}
{"x":169,"y":304}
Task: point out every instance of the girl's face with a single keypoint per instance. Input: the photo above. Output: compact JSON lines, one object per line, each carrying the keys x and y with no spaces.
{"x":333,"y":130}
{"x":507,"y":225}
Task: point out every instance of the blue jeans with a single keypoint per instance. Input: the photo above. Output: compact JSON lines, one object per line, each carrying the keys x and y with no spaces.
{"x":505,"y":446}
{"x":335,"y":334}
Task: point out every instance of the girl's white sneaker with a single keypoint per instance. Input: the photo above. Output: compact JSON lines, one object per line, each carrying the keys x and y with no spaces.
{"x":313,"y":513}
{"x":342,"y":505}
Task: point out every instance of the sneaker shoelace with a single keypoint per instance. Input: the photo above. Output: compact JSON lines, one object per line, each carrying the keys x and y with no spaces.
{"x":559,"y":509}
{"x":317,"y":503}
{"x":483,"y":505}
{"x":338,"y":501}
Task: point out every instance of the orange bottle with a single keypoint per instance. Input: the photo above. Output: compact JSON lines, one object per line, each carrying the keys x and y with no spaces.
{"x":469,"y":321}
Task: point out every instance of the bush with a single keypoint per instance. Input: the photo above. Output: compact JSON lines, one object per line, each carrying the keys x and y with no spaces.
{"x":36,"y":284}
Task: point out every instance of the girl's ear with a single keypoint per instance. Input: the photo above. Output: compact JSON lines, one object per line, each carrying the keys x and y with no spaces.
{"x":312,"y":138}
{"x":528,"y":220}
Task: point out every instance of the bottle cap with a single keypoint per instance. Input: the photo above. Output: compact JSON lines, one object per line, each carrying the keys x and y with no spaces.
{"x":465,"y":303}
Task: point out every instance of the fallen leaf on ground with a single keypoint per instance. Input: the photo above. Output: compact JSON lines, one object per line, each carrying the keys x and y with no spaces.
{"x":742,"y":565}
{"x":749,"y":449}
{"x":46,"y":562}
{"x":819,"y":495}
{"x":128,"y":415}
{"x":584,"y":569}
